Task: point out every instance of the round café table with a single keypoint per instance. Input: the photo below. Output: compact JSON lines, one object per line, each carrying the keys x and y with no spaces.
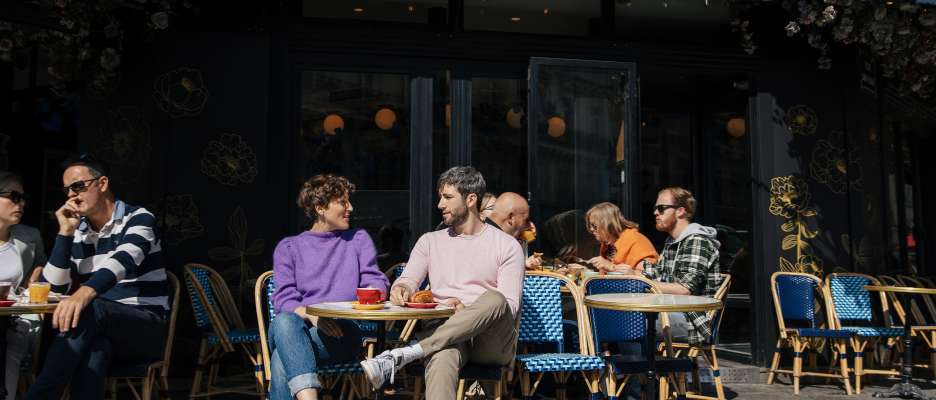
{"x":343,"y":310}
{"x":5,"y":314}
{"x":905,"y":389}
{"x":651,"y":304}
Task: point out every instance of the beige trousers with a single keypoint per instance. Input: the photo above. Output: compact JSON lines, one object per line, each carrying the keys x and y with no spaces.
{"x":483,"y":333}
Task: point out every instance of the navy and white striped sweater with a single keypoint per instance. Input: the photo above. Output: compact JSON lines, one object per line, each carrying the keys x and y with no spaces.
{"x":122,"y":262}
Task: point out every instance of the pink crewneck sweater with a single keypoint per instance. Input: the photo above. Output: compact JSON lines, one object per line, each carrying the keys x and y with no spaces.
{"x":466,"y":266}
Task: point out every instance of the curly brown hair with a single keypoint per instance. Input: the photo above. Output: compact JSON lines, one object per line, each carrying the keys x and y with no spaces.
{"x":320,"y":190}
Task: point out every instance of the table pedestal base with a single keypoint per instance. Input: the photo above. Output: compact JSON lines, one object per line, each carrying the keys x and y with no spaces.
{"x":903,"y":391}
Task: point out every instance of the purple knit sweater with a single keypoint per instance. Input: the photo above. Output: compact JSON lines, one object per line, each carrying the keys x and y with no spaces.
{"x":315,"y":267}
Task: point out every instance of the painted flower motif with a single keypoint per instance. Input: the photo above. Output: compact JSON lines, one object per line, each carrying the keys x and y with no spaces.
{"x":789,"y":195}
{"x":160,"y":20}
{"x":229,"y":160}
{"x":110,"y":59}
{"x":124,"y":142}
{"x":833,"y":167}
{"x":181,"y":93}
{"x":801,"y":120}
{"x":809,"y":264}
{"x":177,"y":218}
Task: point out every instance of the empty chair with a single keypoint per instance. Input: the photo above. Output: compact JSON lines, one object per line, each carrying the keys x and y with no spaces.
{"x":852,"y":311}
{"x":798,"y":299}
{"x":223,"y":332}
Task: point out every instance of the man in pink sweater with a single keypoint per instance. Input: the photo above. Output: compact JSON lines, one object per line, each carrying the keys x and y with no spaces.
{"x":472,"y":266}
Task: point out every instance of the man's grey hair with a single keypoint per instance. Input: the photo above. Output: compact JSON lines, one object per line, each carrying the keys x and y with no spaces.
{"x":466,"y":180}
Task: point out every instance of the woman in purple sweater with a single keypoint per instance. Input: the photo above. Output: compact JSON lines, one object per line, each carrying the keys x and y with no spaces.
{"x":326,"y":263}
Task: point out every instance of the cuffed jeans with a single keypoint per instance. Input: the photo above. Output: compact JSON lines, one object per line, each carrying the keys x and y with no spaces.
{"x":107,"y":332}
{"x":297,"y":349}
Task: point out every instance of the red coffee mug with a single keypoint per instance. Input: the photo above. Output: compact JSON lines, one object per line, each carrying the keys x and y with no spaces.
{"x":369,"y":295}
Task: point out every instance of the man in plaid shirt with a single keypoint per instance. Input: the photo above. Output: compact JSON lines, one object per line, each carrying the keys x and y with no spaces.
{"x":688,"y":263}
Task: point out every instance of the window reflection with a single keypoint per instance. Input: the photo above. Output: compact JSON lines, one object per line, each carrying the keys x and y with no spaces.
{"x":498,"y":133}
{"x":357,"y":125}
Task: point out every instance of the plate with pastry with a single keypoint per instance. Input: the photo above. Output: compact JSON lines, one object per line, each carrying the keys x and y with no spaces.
{"x":422,"y":299}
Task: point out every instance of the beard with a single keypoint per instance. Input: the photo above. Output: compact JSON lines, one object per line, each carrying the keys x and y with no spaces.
{"x":457,"y":217}
{"x":665,"y":225}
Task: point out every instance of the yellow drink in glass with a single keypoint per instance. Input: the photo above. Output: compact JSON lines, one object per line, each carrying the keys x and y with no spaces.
{"x":39,"y":292}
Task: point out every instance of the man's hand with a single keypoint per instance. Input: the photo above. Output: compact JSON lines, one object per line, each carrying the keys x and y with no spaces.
{"x":399,"y":294}
{"x":68,"y":218}
{"x":455,"y":303}
{"x":535,"y":261}
{"x":329,"y":327}
{"x":67,"y":313}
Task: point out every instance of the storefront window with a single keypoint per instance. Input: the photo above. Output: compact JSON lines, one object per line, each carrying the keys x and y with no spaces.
{"x":357,"y":125}
{"x":498,"y":133}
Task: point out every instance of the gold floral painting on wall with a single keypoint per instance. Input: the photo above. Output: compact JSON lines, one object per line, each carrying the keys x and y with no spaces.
{"x":181,"y":92}
{"x":229,"y":160}
{"x":836,"y":167}
{"x":790,"y":199}
{"x":124,"y":142}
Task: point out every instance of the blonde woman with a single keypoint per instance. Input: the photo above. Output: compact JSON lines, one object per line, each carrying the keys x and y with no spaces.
{"x":487,"y":205}
{"x":622,"y":245}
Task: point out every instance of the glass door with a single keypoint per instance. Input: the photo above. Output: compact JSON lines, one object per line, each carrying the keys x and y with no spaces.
{"x":583,"y":148}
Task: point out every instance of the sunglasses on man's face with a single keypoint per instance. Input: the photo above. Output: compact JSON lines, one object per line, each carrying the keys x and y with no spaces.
{"x":661,"y":208}
{"x":79,"y":186}
{"x":14,"y":196}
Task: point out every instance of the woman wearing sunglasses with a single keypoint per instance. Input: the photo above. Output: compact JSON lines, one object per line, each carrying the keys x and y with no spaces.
{"x":622,"y":244}
{"x":21,"y":259}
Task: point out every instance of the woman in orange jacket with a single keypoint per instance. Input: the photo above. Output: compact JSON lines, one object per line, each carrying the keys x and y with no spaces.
{"x":622,"y":244}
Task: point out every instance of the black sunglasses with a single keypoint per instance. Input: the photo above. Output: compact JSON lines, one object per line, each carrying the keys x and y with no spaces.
{"x":14,"y":196}
{"x":79,"y":186}
{"x":661,"y":208}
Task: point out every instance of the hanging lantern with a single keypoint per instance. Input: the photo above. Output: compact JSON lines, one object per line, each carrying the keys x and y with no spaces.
{"x":515,"y":116}
{"x":448,"y":115}
{"x":333,"y":124}
{"x":556,"y":127}
{"x":385,"y":118}
{"x":735,"y":127}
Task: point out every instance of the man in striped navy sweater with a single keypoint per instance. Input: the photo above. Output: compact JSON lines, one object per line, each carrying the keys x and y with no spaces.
{"x":118,"y":314}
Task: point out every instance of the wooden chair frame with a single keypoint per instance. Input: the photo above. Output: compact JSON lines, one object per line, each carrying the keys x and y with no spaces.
{"x":160,"y":368}
{"x":789,"y":336}
{"x":860,"y":344}
{"x":222,"y":315}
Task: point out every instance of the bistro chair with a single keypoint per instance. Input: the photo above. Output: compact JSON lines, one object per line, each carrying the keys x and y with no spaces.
{"x":707,"y":348}
{"x":223,"y":332}
{"x":798,"y":299}
{"x":541,"y":323}
{"x":147,"y":372}
{"x":608,"y":326}
{"x":852,"y":311}
{"x":349,"y":374}
{"x":922,"y":327}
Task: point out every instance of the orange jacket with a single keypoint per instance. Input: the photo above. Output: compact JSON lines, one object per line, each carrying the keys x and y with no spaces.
{"x":631,"y":247}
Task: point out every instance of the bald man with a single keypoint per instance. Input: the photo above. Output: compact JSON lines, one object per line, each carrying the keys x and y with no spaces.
{"x":511,"y":215}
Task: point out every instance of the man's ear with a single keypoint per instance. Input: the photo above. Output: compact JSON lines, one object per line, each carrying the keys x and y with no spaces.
{"x":681,"y":213}
{"x":104,"y":183}
{"x":472,"y":201}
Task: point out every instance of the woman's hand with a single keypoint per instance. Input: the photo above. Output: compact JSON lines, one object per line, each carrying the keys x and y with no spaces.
{"x":603,"y":264}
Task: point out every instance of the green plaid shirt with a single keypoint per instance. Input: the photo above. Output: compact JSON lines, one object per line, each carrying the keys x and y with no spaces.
{"x":692,"y":263}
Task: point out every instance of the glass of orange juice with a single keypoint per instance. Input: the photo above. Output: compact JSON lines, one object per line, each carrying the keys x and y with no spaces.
{"x":39,"y":292}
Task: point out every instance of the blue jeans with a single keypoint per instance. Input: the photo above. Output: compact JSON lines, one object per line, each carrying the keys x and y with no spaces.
{"x":108,"y":332}
{"x":297,"y":349}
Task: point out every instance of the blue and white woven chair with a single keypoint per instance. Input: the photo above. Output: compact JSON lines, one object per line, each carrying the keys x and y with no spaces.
{"x":798,"y":299}
{"x":609,"y":326}
{"x":349,"y":375}
{"x":541,"y":323}
{"x":707,"y":348}
{"x":223,"y":332}
{"x":852,"y":311}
